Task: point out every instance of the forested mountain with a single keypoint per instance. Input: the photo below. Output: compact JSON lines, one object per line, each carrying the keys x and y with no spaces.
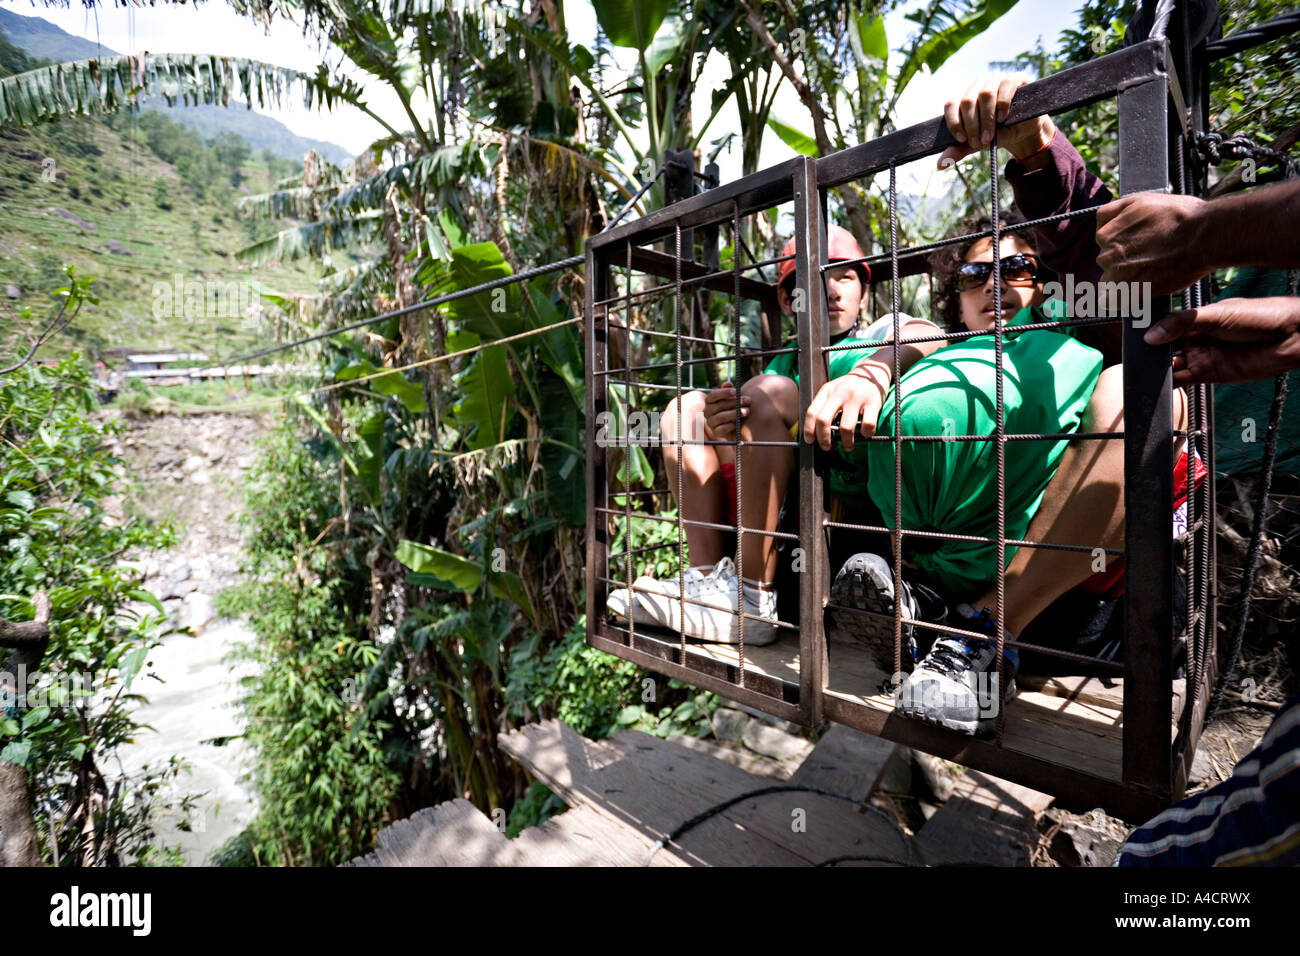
{"x":133,"y":200}
{"x":42,"y":40}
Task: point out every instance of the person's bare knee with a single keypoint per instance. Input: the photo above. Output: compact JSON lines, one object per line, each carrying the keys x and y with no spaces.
{"x":772,"y":395}
{"x":1180,"y":409}
{"x":1106,"y":406}
{"x":692,"y":416}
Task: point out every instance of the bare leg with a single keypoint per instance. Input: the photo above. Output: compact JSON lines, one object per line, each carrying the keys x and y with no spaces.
{"x":765,"y":470}
{"x":705,"y":491}
{"x":1083,"y":504}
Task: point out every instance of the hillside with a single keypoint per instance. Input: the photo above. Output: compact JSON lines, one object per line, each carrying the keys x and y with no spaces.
{"x":42,"y":40}
{"x":77,"y":193}
{"x":97,"y":193}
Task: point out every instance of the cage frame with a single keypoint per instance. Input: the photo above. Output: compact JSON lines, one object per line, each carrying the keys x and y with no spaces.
{"x":1148,"y":80}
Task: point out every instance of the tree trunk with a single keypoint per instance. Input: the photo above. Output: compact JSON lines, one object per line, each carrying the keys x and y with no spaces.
{"x":29,"y":640}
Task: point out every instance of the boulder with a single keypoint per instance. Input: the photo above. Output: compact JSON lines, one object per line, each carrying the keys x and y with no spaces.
{"x":729,"y":724}
{"x":940,"y":775}
{"x":74,"y":218}
{"x":776,"y":743}
{"x":199,"y":611}
{"x":1091,"y":839}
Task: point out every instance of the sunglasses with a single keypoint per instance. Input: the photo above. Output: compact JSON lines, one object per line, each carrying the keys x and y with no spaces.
{"x":1021,"y":267}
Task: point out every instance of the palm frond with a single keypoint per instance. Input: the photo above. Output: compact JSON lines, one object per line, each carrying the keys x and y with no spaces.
{"x":312,"y":239}
{"x":293,"y":203}
{"x":354,"y":291}
{"x":109,"y":83}
{"x":424,"y":174}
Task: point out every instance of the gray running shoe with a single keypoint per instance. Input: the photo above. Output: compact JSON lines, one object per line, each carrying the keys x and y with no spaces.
{"x":957,"y":685}
{"x":866,"y":583}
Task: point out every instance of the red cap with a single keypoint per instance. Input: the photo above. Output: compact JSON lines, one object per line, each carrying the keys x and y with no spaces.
{"x":842,"y":246}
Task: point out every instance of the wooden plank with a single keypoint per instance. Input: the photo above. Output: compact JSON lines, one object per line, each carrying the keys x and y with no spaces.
{"x":987,"y":821}
{"x":584,"y":836}
{"x":653,"y":786}
{"x":455,"y":833}
{"x":753,"y":763}
{"x":1074,"y":721}
{"x":1105,"y":692}
{"x":613,"y":777}
{"x":845,"y":761}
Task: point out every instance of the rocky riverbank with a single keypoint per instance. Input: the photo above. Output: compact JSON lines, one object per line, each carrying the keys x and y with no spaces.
{"x":190,"y":469}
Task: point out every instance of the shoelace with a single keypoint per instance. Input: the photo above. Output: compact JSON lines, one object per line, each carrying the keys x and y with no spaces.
{"x":951,"y":660}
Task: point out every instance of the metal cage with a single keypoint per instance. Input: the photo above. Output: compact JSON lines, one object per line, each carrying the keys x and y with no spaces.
{"x":1123,"y":742}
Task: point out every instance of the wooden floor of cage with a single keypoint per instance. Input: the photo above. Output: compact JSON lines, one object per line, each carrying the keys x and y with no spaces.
{"x":1072,"y":721}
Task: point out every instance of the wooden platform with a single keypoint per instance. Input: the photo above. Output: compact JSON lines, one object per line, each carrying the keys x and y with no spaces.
{"x":630,"y":791}
{"x":1074,"y":721}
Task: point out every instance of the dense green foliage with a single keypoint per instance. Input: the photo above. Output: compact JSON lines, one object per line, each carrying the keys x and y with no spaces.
{"x":584,"y":687}
{"x":322,"y":775}
{"x":67,"y":722}
{"x":216,"y":165}
{"x":416,"y":527}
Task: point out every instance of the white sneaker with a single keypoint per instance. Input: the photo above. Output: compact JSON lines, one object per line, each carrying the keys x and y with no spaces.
{"x":653,"y":594}
{"x":713,"y":616}
{"x":617,"y":602}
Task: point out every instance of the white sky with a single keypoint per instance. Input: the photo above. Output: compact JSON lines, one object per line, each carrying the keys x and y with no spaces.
{"x":214,"y":27}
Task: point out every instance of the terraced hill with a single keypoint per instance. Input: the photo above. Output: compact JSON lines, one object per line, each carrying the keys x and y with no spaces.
{"x":78,"y":192}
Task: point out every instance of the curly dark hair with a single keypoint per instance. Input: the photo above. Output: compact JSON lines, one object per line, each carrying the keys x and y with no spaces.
{"x":945,"y":304}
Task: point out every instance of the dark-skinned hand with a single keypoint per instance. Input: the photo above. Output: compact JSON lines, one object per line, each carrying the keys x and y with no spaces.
{"x":1151,"y":237}
{"x":1233,"y":340}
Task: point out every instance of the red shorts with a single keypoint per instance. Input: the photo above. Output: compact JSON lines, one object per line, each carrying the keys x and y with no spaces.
{"x":729,"y":480}
{"x":1110,"y":583}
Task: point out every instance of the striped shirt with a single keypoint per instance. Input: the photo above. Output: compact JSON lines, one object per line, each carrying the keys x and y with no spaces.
{"x":1250,"y":819}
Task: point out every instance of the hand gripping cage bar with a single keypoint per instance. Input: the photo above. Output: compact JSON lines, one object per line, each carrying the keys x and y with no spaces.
{"x":1160,"y":88}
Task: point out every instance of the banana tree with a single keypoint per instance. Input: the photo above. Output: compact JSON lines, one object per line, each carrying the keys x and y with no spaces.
{"x":107,"y":84}
{"x":846,"y":87}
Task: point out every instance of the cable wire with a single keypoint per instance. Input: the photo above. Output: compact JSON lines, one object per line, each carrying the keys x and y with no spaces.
{"x":710,"y":812}
{"x":523,"y":276}
{"x":416,"y":307}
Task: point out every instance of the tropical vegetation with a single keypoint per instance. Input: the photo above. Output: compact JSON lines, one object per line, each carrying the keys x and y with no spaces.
{"x":415,"y":570}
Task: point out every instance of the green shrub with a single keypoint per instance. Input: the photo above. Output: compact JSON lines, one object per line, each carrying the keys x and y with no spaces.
{"x":55,"y":471}
{"x":535,"y":807}
{"x":584,"y":687}
{"x":322,"y":773}
{"x":597,"y":694}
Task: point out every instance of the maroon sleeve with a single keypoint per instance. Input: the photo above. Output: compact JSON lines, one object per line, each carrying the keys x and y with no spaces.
{"x":1064,"y":184}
